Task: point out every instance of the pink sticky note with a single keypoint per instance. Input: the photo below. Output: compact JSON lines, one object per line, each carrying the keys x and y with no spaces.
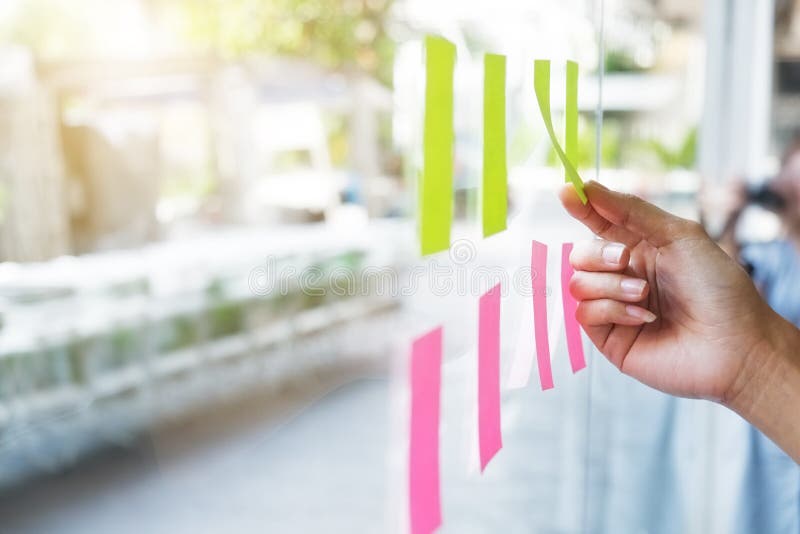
{"x":539,"y":281}
{"x":489,"y":375}
{"x":426,"y":370}
{"x":571,"y":327}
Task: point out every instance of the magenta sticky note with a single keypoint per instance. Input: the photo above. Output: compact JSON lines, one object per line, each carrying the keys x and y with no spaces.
{"x":571,"y":326}
{"x":539,"y":281}
{"x":426,"y":371}
{"x":489,"y":437}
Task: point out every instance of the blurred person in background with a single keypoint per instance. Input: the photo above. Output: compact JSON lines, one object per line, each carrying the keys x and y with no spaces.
{"x":770,"y":501}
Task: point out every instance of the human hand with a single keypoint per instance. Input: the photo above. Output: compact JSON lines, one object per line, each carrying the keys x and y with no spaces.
{"x":661,"y":300}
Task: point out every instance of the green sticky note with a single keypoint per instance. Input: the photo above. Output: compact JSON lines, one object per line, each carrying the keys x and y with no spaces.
{"x":571,"y":115}
{"x":494,"y":193}
{"x":436,"y":196}
{"x":541,"y":85}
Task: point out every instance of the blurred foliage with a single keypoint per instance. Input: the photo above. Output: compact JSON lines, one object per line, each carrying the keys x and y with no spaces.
{"x":287,"y":161}
{"x":187,"y":182}
{"x":79,"y":350}
{"x":337,"y":128}
{"x":179,"y":333}
{"x":51,"y":28}
{"x":610,"y":149}
{"x":340,"y":34}
{"x":125,"y":346}
{"x":618,"y":151}
{"x":226,"y":319}
{"x":683,"y":156}
{"x":521,"y":143}
{"x":621,"y":61}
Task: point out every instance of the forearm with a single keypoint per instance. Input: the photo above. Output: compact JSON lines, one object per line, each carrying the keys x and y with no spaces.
{"x":767,"y":392}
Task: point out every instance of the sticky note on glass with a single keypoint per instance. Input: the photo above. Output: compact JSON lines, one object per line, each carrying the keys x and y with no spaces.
{"x":522,"y":363}
{"x":571,"y":326}
{"x":571,"y":117}
{"x":436,"y":187}
{"x":541,"y":84}
{"x":539,"y":283}
{"x":494,"y":193}
{"x":424,"y":492}
{"x":489,"y":433}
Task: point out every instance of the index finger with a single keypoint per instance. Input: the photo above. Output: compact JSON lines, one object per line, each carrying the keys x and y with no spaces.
{"x":589,"y":217}
{"x":642,"y":219}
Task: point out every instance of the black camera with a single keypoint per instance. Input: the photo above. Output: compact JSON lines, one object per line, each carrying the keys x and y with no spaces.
{"x":765,"y":196}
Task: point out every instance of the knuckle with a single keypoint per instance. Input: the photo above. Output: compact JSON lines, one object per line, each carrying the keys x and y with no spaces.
{"x":604,"y":228}
{"x":629,"y":201}
{"x":682,"y":228}
{"x":607,"y":308}
{"x":582,"y":312}
{"x":576,"y":284}
{"x":575,"y":255}
{"x":695,"y":229}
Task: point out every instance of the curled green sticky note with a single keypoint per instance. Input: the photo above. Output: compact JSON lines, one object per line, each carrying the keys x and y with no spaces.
{"x":541,"y":85}
{"x":494,"y":193}
{"x":436,"y":187}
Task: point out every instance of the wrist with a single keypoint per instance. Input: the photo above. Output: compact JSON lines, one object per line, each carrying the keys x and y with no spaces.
{"x":761,"y":364}
{"x":768,"y":383}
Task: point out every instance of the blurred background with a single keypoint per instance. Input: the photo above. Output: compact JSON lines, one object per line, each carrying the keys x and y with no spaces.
{"x":185,"y":185}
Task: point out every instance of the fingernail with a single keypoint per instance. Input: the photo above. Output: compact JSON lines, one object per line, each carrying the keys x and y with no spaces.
{"x":612,"y":253}
{"x":640,"y":313}
{"x":633,"y":286}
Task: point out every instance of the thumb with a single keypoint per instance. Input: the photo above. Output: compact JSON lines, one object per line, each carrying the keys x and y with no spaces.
{"x":654,"y":225}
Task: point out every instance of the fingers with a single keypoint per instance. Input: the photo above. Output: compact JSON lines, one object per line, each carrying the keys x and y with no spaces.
{"x":602,"y":312}
{"x":641,"y":218}
{"x":599,"y":255}
{"x":586,"y":286}
{"x":589,"y":217}
{"x":615,"y":346}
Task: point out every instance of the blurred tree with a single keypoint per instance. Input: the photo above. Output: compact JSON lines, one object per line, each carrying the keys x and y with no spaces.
{"x":341,"y":34}
{"x":682,"y":156}
{"x":50,"y":28}
{"x":610,"y":147}
{"x":620,"y":60}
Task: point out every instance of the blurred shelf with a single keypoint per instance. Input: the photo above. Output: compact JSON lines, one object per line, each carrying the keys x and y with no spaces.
{"x":159,"y":367}
{"x":131,"y":337}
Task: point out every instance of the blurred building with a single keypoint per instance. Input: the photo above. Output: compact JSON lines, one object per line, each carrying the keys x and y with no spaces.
{"x":111,"y":116}
{"x":107,"y":143}
{"x":34,"y":219}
